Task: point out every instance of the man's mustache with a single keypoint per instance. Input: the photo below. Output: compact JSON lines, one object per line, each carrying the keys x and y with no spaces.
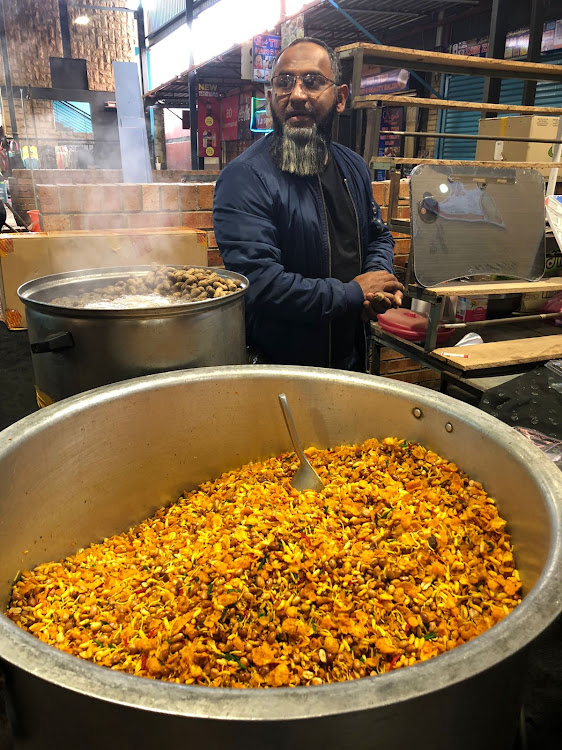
{"x":293,"y":112}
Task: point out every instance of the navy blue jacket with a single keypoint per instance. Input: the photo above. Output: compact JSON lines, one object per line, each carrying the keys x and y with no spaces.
{"x":271,"y":226}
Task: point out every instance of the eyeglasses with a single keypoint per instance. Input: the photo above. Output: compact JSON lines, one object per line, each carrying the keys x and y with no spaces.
{"x":313,"y":83}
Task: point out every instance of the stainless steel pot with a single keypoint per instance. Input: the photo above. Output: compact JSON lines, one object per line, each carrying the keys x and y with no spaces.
{"x":74,"y":349}
{"x":96,"y":463}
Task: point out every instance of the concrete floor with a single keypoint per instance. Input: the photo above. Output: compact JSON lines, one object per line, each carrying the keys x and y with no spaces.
{"x":542,"y":725}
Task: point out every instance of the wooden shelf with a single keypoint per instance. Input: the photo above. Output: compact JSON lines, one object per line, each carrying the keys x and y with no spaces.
{"x":477,"y":288}
{"x":367,"y":101}
{"x":379,"y":162}
{"x":442,"y":62}
{"x":501,"y":353}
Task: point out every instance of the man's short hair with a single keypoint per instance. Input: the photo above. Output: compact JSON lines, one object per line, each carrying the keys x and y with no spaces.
{"x":334,"y":59}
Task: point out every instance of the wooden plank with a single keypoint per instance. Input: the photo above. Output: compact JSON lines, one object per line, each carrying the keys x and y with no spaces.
{"x":369,"y":100}
{"x":476,"y":288}
{"x":471,"y":137}
{"x":501,"y":353}
{"x":460,"y":163}
{"x":393,"y":193}
{"x":443,"y":62}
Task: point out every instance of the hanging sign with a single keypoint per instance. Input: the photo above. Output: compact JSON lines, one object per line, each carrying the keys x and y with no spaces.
{"x":208,"y":119}
{"x":265,"y":48}
{"x":392,"y":118}
{"x":386,"y":83}
{"x":229,"y":118}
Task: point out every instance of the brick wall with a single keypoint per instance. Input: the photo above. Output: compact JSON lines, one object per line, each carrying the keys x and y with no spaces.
{"x":85,"y":206}
{"x":33,"y":35}
{"x":120,"y":206}
{"x":89,"y":205}
{"x":21,"y":181}
{"x":110,"y":36}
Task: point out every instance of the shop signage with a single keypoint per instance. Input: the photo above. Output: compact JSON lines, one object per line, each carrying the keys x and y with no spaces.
{"x":244,"y":116}
{"x":229,"y":118}
{"x":261,"y":120}
{"x":516,"y":43}
{"x":208,"y":119}
{"x":392,"y":118}
{"x":292,"y":29}
{"x":386,"y":83}
{"x":265,"y":48}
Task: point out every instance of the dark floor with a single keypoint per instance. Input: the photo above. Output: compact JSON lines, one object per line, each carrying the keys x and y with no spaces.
{"x":542,"y":726}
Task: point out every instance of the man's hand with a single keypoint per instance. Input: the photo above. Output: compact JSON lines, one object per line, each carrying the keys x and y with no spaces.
{"x":382,"y":290}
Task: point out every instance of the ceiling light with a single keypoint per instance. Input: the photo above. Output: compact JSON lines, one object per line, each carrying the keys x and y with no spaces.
{"x":82,"y":20}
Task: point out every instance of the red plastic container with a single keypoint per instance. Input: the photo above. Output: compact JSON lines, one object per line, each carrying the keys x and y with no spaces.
{"x":410,"y":325}
{"x":35,"y":217}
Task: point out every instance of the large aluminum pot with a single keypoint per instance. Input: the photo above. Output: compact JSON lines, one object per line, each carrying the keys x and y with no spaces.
{"x":96,"y":463}
{"x":76,"y":349}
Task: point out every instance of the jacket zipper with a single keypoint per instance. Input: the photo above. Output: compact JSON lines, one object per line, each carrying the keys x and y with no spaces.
{"x":360,"y":260}
{"x":329,"y":268}
{"x":356,"y":224}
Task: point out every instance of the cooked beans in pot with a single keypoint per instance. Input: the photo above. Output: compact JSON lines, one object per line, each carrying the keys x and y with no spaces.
{"x":162,"y":284}
{"x":245,"y":582}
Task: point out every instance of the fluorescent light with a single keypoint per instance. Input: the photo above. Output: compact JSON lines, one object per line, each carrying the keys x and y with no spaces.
{"x":82,"y":20}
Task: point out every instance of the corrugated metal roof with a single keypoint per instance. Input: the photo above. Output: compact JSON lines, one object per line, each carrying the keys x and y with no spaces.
{"x":378,"y":17}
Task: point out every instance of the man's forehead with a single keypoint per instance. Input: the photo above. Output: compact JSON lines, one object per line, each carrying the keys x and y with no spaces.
{"x":305,"y":57}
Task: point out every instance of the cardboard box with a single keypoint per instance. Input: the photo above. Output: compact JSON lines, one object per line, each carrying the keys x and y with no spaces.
{"x":531,"y":302}
{"x":524,"y":126}
{"x":470,"y":309}
{"x":28,"y":256}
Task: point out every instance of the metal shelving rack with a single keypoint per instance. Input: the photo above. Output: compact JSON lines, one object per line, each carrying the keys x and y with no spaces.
{"x":371,"y":106}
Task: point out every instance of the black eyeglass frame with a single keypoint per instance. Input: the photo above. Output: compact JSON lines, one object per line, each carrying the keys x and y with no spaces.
{"x":296,"y":76}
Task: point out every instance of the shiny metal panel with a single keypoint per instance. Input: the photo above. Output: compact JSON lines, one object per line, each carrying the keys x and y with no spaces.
{"x":114,"y":345}
{"x":472,"y":221}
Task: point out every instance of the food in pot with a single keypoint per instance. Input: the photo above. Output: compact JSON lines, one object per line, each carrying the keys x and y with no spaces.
{"x":245,"y":582}
{"x":162,"y":285}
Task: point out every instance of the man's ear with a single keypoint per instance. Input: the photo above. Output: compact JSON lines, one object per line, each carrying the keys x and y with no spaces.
{"x":341,"y":98}
{"x":268,"y":95}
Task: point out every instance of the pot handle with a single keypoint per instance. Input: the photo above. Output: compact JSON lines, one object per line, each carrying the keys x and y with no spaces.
{"x":54,"y":343}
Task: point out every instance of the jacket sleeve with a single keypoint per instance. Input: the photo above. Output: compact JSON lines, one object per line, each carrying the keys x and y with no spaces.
{"x":380,"y":248}
{"x":244,"y":220}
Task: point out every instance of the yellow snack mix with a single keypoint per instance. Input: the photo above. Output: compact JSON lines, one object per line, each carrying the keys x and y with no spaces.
{"x":245,"y":582}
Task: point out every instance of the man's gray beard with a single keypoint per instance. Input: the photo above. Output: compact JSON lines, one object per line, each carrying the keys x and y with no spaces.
{"x":300,"y":151}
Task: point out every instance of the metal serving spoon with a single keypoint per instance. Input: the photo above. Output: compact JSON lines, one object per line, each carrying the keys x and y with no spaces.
{"x":306,"y":477}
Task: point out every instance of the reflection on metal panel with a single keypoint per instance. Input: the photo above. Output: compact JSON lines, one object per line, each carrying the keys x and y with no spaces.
{"x":472,"y":221}
{"x":132,"y":126}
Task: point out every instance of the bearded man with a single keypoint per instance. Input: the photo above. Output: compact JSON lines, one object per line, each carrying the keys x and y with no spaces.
{"x":295,"y":214}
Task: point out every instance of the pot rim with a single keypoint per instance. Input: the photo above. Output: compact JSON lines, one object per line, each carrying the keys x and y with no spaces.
{"x":52,"y":281}
{"x":537,"y":610}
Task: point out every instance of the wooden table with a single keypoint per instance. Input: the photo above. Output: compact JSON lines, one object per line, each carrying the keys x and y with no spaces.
{"x":509,"y":350}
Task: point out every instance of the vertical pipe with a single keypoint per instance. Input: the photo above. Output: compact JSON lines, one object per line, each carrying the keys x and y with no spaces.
{"x":192,"y":83}
{"x":141,"y":34}
{"x":143,"y":70}
{"x":64,"y":28}
{"x":7,"y":73}
{"x":534,"y":52}
{"x":496,"y":48}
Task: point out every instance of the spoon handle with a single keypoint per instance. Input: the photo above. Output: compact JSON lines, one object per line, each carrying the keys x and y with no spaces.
{"x":291,"y":427}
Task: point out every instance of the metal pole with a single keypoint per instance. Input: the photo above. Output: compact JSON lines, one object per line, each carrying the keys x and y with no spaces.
{"x":64,"y":28}
{"x":501,"y":321}
{"x":139,"y":18}
{"x":7,"y":74}
{"x":534,"y":50}
{"x":471,"y":137}
{"x":496,"y":48}
{"x":143,"y":70}
{"x":192,"y":84}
